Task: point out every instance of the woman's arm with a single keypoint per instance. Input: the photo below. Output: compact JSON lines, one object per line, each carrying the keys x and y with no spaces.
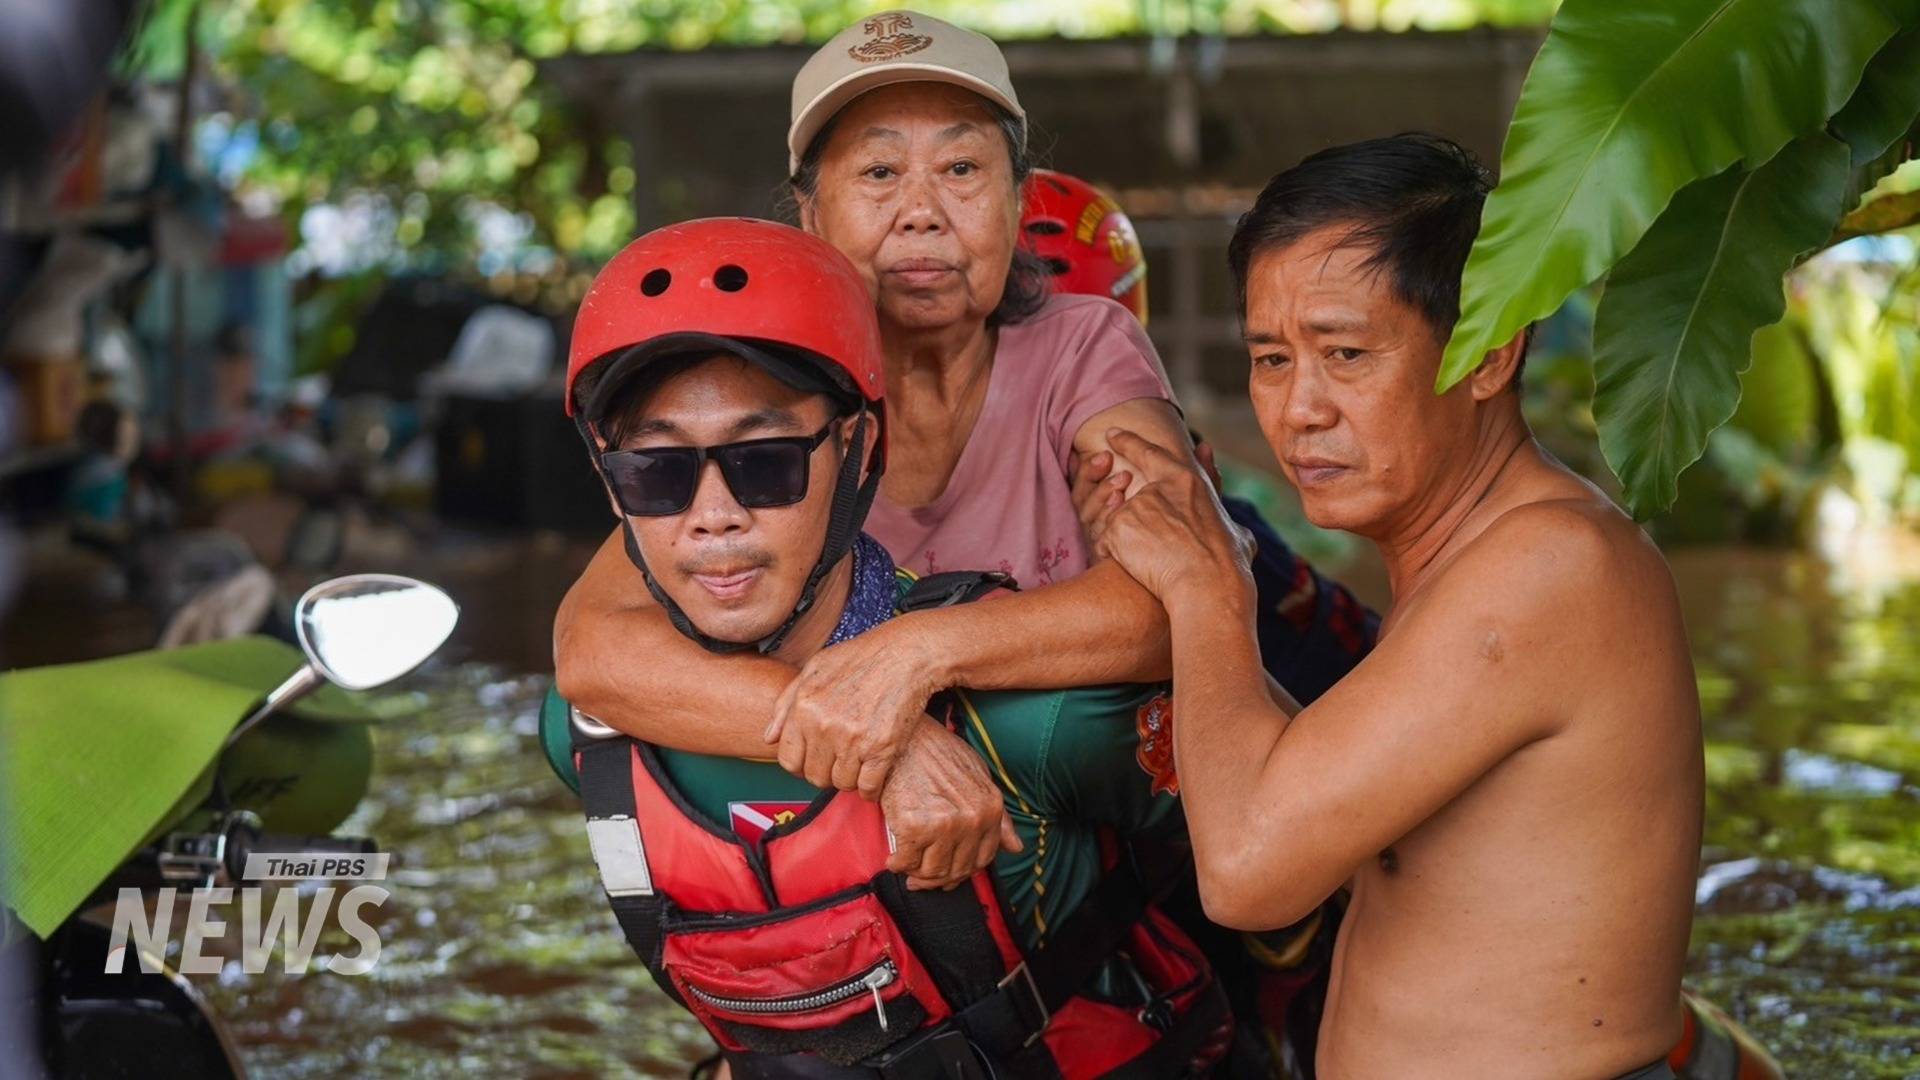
{"x":1100,"y":627}
{"x":844,"y":720}
{"x":618,"y":659}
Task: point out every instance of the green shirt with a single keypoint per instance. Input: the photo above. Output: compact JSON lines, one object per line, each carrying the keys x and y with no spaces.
{"x":1069,"y":763}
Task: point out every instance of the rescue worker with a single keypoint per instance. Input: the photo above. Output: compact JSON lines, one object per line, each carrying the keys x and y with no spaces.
{"x":726,"y":375}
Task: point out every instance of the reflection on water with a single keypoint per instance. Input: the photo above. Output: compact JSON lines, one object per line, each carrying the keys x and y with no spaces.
{"x":501,"y":958}
{"x":1809,"y":919}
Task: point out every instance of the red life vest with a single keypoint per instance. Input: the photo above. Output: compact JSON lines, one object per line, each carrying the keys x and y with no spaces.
{"x":801,"y":941}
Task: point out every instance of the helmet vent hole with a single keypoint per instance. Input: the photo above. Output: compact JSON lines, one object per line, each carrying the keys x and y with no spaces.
{"x":1059,"y":267}
{"x":1046,"y":228}
{"x":656,"y":282}
{"x":730,"y":278}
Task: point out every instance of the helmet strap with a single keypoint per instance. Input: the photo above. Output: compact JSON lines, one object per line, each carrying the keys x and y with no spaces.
{"x":851,"y":501}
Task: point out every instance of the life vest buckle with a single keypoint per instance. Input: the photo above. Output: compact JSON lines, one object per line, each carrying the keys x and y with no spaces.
{"x":1038,"y":1016}
{"x":943,"y":1055}
{"x":588,"y":726}
{"x":621,"y":855}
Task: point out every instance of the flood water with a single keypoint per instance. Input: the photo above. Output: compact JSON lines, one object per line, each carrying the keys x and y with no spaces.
{"x":501,"y":959}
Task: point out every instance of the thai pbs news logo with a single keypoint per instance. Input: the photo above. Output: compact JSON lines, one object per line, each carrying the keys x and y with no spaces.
{"x":290,"y":912}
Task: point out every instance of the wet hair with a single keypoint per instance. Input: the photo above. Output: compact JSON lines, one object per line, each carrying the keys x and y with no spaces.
{"x":1414,"y":198}
{"x":99,"y":426}
{"x":1029,"y":282}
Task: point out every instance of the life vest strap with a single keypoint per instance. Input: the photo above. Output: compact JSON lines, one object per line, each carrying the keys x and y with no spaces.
{"x":953,"y":587}
{"x":1014,"y":1016}
{"x":1198,"y":1035}
{"x":1714,"y":1053}
{"x":1004,"y":1014}
{"x":606,"y":791}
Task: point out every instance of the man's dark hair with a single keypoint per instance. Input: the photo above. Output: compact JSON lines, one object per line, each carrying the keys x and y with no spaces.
{"x":1029,"y":282}
{"x":1414,"y":198}
{"x":619,"y":413}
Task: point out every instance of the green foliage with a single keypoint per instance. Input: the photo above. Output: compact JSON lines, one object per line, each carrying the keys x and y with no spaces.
{"x":1884,"y":106}
{"x":435,"y":106}
{"x":1672,"y":331}
{"x":1829,"y":408}
{"x":1629,"y":108}
{"x":431,"y":106}
{"x":1880,"y":126}
{"x":1864,"y":323}
{"x":1892,"y":204}
{"x":1781,"y":396}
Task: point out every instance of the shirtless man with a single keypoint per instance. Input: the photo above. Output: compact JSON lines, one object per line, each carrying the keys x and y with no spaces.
{"x":1511,"y":783}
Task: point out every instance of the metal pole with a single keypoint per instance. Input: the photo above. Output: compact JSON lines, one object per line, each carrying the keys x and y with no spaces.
{"x":177,"y":345}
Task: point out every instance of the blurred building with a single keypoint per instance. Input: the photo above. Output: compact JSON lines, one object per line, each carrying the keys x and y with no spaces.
{"x":1184,"y":131}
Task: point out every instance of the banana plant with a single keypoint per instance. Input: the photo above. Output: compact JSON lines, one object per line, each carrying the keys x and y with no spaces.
{"x":1688,"y":153}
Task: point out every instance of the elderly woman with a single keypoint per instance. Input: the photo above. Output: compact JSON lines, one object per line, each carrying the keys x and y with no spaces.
{"x":908,"y":153}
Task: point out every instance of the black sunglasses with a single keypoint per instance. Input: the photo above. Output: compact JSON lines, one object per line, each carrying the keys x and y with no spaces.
{"x":660,"y":481}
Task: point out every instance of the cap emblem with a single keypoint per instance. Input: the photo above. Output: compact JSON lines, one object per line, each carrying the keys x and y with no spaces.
{"x":888,"y":38}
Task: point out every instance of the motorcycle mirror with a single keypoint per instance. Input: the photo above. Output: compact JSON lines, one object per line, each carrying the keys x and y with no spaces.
{"x":359,"y":632}
{"x":369,"y":629}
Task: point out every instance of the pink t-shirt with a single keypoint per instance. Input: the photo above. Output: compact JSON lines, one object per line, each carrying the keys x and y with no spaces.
{"x":1009,"y":505}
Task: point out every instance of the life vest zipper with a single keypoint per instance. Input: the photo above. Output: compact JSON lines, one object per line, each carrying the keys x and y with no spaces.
{"x":871,"y":981}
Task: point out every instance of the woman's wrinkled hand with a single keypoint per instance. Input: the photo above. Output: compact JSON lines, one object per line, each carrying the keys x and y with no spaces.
{"x":844,"y":721}
{"x":947,"y":816}
{"x":1172,"y":533}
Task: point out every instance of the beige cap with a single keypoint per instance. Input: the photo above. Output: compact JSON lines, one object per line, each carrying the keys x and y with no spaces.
{"x":893,"y":47}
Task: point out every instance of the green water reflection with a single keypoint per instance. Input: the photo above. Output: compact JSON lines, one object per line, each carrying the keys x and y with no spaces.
{"x":501,"y":957}
{"x":1809,"y":926}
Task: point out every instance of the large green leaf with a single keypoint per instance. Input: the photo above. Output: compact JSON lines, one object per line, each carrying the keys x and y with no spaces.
{"x":1881,"y":122}
{"x":1884,"y":214}
{"x":1626,"y":104}
{"x":1779,"y":392}
{"x":1675,"y":327}
{"x":1883,"y":107}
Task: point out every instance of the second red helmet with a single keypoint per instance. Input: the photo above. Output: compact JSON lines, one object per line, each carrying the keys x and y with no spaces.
{"x":1086,"y":240}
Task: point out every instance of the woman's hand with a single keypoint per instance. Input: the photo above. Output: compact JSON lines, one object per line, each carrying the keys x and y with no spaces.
{"x":845,"y":720}
{"x":947,"y":816}
{"x":1172,"y":532}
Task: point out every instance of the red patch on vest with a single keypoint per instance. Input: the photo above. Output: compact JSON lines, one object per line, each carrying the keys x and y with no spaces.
{"x":751,"y":820}
{"x":1154,"y":724}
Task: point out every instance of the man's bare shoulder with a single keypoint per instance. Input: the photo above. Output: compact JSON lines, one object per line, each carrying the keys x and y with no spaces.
{"x":1539,"y":605}
{"x":1560,"y":559}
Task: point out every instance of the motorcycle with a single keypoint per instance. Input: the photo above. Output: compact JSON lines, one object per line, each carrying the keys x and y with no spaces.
{"x":197,"y":770}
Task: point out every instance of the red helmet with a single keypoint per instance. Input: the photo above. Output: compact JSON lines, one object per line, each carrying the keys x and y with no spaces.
{"x":734,"y":278}
{"x":1086,"y":240}
{"x":752,"y":283}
